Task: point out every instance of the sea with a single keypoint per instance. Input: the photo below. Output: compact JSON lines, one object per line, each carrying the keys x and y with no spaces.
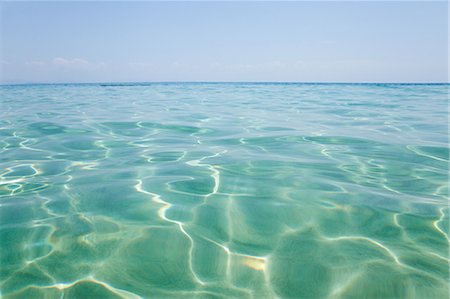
{"x":224,"y":190}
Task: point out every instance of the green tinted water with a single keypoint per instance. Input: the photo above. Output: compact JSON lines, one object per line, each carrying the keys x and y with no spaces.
{"x":224,"y":191}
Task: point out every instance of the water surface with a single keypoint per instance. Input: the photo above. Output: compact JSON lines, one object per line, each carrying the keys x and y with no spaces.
{"x":197,"y":190}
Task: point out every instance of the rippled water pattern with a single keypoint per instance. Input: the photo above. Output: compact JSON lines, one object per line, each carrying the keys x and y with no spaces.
{"x":203,"y":190}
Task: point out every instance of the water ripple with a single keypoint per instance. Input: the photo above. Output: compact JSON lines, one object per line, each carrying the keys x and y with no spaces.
{"x":224,"y":191}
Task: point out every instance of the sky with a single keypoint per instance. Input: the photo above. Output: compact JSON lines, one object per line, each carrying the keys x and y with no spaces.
{"x":360,"y":41}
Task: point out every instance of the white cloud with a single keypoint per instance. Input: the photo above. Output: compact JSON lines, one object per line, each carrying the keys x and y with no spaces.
{"x":36,"y":63}
{"x":76,"y":64}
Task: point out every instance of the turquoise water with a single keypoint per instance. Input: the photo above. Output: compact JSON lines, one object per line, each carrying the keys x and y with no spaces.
{"x":197,"y":190}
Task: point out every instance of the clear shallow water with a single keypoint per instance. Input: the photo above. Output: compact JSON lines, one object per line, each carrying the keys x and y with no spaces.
{"x":224,"y":191}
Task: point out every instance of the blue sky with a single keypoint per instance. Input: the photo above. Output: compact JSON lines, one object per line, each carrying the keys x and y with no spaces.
{"x":224,"y":41}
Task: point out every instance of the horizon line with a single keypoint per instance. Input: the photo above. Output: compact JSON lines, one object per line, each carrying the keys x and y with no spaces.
{"x":119,"y":83}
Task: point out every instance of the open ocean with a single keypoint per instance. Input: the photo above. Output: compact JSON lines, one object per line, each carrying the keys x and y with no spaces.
{"x":224,"y":190}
